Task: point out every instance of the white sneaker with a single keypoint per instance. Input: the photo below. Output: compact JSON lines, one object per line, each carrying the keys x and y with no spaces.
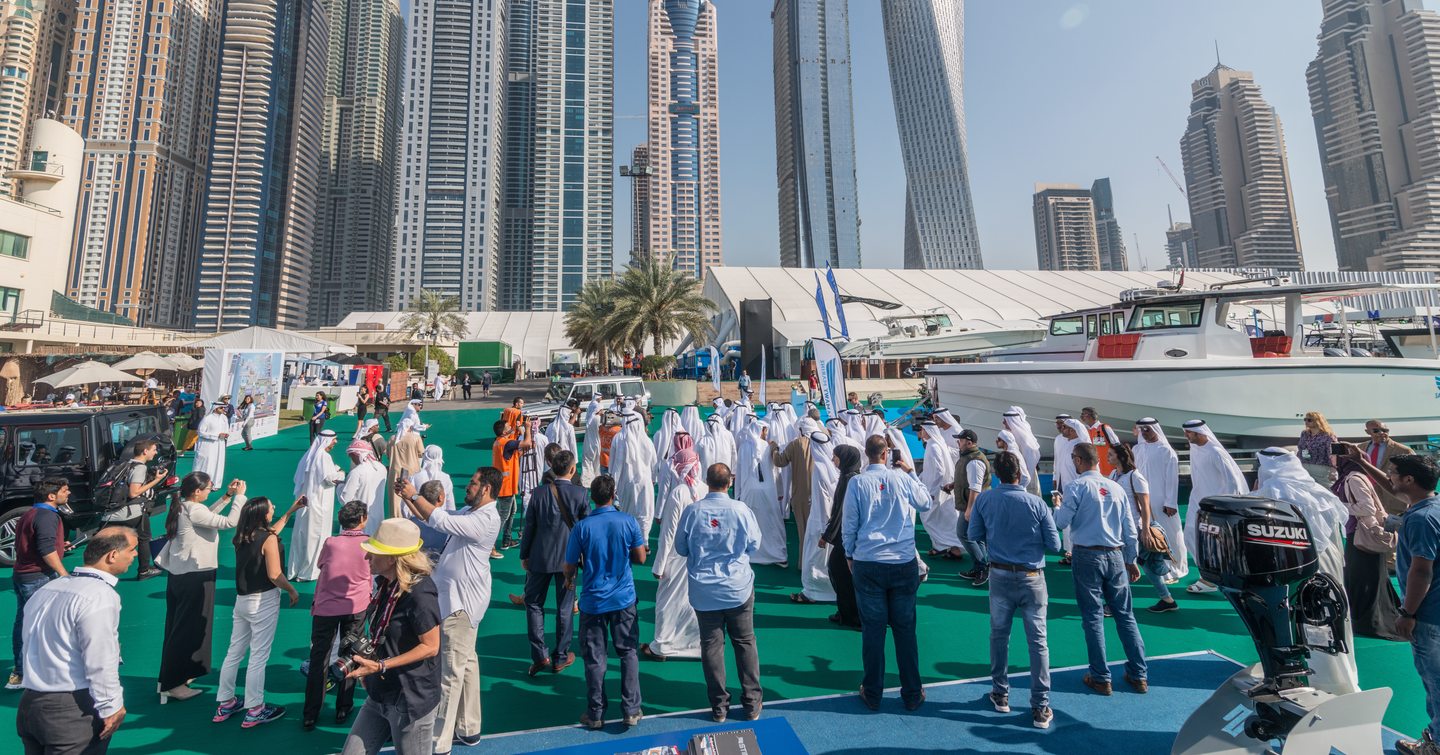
{"x":1201,"y":587}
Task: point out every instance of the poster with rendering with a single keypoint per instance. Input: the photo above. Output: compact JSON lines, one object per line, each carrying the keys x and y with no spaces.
{"x":238,"y":373}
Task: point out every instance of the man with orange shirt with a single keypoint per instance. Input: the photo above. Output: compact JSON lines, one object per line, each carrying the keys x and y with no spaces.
{"x":609,"y":429}
{"x":515,"y":415}
{"x":1102,"y":437}
{"x":511,"y":442}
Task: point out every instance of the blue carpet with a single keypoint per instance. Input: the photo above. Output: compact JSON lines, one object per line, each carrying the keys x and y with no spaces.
{"x":956,"y":718}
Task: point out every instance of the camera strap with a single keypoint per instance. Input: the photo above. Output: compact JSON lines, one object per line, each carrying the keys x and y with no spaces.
{"x":385,"y":604}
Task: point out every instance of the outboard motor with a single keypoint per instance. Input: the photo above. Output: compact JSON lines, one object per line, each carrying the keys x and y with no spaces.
{"x":1262,"y":555}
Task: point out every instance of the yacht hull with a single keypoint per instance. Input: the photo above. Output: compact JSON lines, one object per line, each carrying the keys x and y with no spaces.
{"x":1249,"y":403}
{"x":947,"y":345}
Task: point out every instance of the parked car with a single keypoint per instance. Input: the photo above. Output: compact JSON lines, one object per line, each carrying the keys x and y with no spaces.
{"x":78,"y":444}
{"x":582,"y":389}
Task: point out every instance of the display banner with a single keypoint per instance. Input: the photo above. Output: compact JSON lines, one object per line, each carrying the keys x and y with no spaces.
{"x":831,"y":374}
{"x":246,"y":372}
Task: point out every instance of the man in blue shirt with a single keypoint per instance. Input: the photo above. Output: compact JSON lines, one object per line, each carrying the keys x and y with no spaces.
{"x":716,"y":536}
{"x":1414,"y":478}
{"x":1018,"y":529}
{"x":878,"y":529}
{"x":605,"y":544}
{"x":1102,"y":532}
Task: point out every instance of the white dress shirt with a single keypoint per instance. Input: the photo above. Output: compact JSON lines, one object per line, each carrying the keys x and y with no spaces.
{"x":72,"y":638}
{"x":462,"y":573}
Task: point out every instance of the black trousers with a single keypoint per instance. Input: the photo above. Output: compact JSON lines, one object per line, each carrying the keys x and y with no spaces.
{"x":739,"y":624}
{"x":60,"y":723}
{"x":537,"y":588}
{"x":464,"y":388}
{"x":323,"y":630}
{"x":189,"y":620}
{"x":141,"y":525}
{"x":383,"y":415}
{"x":844,"y":584}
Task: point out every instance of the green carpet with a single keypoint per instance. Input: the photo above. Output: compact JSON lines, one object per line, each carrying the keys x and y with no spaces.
{"x":801,"y":653}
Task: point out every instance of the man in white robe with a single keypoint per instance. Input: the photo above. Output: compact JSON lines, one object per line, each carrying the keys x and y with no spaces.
{"x":677,"y":630}
{"x":1018,"y":424}
{"x":412,"y":413}
{"x":366,"y":483}
{"x":839,"y":433}
{"x":938,"y":474}
{"x":592,"y":408}
{"x":432,"y":467}
{"x":590,"y":462}
{"x":1283,"y":478}
{"x":437,"y":387}
{"x":690,"y":420}
{"x":315,"y":478}
{"x":664,"y":438}
{"x":1006,"y":443}
{"x":815,"y":584}
{"x":755,"y":487}
{"x":1212,"y":472}
{"x":632,"y":464}
{"x":561,"y":432}
{"x":211,"y":444}
{"x":1160,"y":466}
{"x":949,"y":427}
{"x":717,"y":445}
{"x":1069,"y":432}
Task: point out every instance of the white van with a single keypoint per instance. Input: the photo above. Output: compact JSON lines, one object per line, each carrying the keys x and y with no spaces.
{"x":582,"y":390}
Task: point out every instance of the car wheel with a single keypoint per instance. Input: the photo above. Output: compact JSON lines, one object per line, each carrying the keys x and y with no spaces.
{"x":9,"y":530}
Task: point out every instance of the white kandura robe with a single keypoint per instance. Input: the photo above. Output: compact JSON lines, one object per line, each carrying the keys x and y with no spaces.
{"x":561,"y":432}
{"x":1065,"y":470}
{"x":942,"y":519}
{"x":755,"y":486}
{"x":590,"y":463}
{"x":210,"y":448}
{"x":677,"y":631}
{"x":366,"y":482}
{"x":314,"y":522}
{"x":1160,"y":467}
{"x":1212,"y":472}
{"x":691,"y":422}
{"x":632,"y":464}
{"x":814,"y":560}
{"x":717,"y":447}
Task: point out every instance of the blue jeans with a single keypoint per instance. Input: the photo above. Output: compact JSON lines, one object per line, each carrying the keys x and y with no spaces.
{"x":1023,"y":593}
{"x":624,"y":631}
{"x":24,"y":588}
{"x":886,"y":596}
{"x":977,"y":550}
{"x":1100,"y":580}
{"x":1426,"y":646}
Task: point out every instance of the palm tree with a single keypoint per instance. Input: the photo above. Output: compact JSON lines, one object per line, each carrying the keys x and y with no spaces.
{"x":433,"y":315}
{"x":656,"y":303}
{"x":589,"y":323}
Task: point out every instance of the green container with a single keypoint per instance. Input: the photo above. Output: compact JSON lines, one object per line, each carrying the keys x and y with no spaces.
{"x":308,"y":408}
{"x":485,"y":354}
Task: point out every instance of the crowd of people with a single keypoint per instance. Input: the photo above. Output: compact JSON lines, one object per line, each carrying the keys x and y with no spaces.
{"x":403,"y":587}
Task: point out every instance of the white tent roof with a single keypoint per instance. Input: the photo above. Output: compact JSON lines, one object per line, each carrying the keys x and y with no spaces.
{"x":270,"y":339}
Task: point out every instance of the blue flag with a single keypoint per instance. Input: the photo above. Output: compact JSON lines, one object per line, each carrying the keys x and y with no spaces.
{"x":820,"y":302}
{"x":839,"y":307}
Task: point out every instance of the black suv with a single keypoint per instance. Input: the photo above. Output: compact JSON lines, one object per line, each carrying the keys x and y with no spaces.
{"x":77,"y":444}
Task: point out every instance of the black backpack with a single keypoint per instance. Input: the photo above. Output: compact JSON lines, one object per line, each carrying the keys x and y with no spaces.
{"x":112,"y":492}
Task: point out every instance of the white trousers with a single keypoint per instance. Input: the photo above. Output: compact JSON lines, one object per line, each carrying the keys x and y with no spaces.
{"x":459,"y":709}
{"x":255,"y":617}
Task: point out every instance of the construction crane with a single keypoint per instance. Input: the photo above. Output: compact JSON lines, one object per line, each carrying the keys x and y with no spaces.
{"x":1173,"y":179}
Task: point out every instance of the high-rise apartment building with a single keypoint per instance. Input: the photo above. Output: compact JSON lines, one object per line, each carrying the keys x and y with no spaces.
{"x":638,"y":171}
{"x":574,"y":149}
{"x":34,"y":52}
{"x":1109,"y":240}
{"x":1237,"y":176}
{"x":1180,"y":246}
{"x":450,"y":159}
{"x":264,"y":197}
{"x":517,"y":200}
{"x":1375,"y":95}
{"x":355,"y":259}
{"x":1065,"y":228}
{"x":141,"y":91}
{"x":684,"y":135}
{"x":815,"y":134}
{"x":925,"y":44}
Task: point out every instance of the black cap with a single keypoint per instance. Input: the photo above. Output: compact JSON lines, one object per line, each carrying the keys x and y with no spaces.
{"x":968,"y":434}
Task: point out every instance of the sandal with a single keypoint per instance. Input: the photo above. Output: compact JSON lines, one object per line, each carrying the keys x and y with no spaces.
{"x":799,"y":597}
{"x":952,"y":556}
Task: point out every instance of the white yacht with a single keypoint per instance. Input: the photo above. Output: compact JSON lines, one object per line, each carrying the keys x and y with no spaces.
{"x":1215,"y":355}
{"x":932,"y":335}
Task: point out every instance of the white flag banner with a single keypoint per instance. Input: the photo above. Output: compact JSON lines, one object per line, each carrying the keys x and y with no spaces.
{"x":831,"y":375}
{"x":715,"y":368}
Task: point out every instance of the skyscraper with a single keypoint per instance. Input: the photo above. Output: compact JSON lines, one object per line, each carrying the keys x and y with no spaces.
{"x":815,"y":134}
{"x":684,"y":135}
{"x":34,"y":52}
{"x":448,"y":238}
{"x":1373,"y":90}
{"x":1237,"y":176}
{"x":1110,"y":242}
{"x":355,"y":258}
{"x":574,"y":149}
{"x":925,"y":43}
{"x":1180,"y":245}
{"x":141,"y":90}
{"x":1065,"y":228}
{"x":265,"y":192}
{"x":638,"y":171}
{"x":517,"y":201}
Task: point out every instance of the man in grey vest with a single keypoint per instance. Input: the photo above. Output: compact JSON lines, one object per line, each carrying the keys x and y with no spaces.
{"x":972,"y":477}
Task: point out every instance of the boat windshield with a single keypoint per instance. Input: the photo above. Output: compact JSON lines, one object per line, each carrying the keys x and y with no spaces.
{"x":1162,"y":316}
{"x":1072,"y":325}
{"x":559,"y":391}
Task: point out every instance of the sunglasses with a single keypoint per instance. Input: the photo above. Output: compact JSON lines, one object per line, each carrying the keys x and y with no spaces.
{"x":1379,"y":431}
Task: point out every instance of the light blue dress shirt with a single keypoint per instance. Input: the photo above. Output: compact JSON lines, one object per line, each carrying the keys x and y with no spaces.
{"x":1015,"y":525}
{"x":716,"y":536}
{"x":1099,"y":514}
{"x":879,"y":521}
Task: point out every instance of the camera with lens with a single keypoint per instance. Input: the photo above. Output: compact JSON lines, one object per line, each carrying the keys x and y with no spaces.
{"x":352,"y":644}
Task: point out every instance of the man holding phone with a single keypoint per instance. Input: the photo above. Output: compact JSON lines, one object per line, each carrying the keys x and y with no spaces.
{"x":135,"y":513}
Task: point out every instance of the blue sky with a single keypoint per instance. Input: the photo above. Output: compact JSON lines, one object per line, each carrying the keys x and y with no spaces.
{"x":1056,"y":91}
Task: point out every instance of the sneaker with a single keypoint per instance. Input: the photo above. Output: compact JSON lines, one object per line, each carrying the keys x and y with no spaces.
{"x":1041,"y":717}
{"x":225,"y":710}
{"x":1201,"y":587}
{"x":1170,"y":580}
{"x":1102,"y":687}
{"x":1001,"y":702}
{"x":262,"y":715}
{"x":15,"y":681}
{"x":1139,"y":685}
{"x":509,"y":543}
{"x":1108,"y":613}
{"x":633,"y":719}
{"x":971,"y":575}
{"x":497,"y":555}
{"x":150,"y":573}
{"x":754,"y":715}
{"x":466,"y":740}
{"x":1164,"y":606}
{"x":982,"y":578}
{"x":718,"y":715}
{"x":593,"y":724}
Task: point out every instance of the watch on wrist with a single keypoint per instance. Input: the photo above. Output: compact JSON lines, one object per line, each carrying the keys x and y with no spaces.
{"x":1404,"y":614}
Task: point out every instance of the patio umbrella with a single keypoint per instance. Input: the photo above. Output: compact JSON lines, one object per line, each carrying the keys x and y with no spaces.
{"x":146,"y":362}
{"x":87,"y":373}
{"x":185,"y":362}
{"x":358,"y":361}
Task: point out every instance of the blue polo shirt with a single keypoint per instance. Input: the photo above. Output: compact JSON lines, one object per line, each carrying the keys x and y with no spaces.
{"x":600,"y":544}
{"x":716,"y":535}
{"x":1015,"y":526}
{"x":1420,"y":536}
